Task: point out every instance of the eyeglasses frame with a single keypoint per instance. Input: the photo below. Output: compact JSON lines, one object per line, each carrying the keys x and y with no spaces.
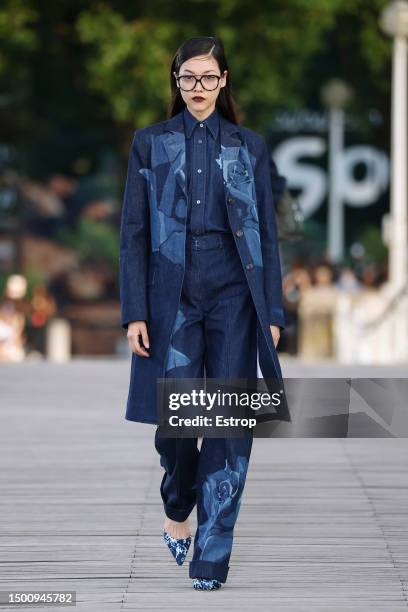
{"x":198,"y":80}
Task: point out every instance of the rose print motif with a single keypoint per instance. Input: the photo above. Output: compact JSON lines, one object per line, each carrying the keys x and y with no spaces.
{"x":238,"y":178}
{"x":222,"y":492}
{"x":237,"y":173}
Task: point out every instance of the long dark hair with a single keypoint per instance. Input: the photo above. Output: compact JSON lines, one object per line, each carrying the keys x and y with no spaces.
{"x":203,"y":45}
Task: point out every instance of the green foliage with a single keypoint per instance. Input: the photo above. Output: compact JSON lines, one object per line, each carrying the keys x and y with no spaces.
{"x":129,"y":62}
{"x":17,"y":30}
{"x":270,"y":46}
{"x":34,"y":276}
{"x":91,"y":66}
{"x":375,"y":250}
{"x":267,"y":48}
{"x":3,"y":281}
{"x":92,"y":241}
{"x":18,"y":38}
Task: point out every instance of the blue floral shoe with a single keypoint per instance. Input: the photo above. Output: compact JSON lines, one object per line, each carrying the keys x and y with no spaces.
{"x":178,"y":547}
{"x":206,"y":584}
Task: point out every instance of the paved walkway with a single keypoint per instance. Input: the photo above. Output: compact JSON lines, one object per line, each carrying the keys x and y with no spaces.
{"x":323,"y":524}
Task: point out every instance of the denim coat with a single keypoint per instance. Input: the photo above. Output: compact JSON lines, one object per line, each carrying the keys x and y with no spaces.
{"x":152,"y":244}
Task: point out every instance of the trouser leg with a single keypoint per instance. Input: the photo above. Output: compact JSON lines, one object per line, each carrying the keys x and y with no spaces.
{"x":221,"y":478}
{"x":230,"y":337}
{"x":179,"y":458}
{"x":216,"y":327}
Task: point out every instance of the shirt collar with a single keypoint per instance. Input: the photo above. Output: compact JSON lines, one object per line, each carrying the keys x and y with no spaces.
{"x":212,"y":122}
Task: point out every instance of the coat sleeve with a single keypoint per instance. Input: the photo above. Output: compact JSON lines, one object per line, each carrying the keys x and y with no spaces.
{"x":134,"y":233}
{"x":269,"y":238}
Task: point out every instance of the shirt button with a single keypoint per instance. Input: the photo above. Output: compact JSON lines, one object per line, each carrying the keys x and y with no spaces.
{"x":230,"y":199}
{"x":201,"y":124}
{"x":199,"y":170}
{"x":239,"y":233}
{"x":200,"y":141}
{"x":249,"y":266}
{"x":198,"y":201}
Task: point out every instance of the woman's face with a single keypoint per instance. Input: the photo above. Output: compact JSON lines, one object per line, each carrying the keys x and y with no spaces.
{"x":201,"y":65}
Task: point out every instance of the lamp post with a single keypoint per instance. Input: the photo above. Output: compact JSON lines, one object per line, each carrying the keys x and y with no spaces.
{"x":394,"y":22}
{"x":335,"y":95}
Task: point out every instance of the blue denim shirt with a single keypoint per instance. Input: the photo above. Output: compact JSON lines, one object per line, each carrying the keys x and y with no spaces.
{"x":205,"y":187}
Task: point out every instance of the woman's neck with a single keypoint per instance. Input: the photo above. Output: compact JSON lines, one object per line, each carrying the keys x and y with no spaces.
{"x":201,"y":115}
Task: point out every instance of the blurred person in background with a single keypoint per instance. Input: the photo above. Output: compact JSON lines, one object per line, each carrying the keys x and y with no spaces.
{"x":348,"y":280}
{"x":11,"y":333}
{"x":12,"y":319}
{"x":295,"y":283}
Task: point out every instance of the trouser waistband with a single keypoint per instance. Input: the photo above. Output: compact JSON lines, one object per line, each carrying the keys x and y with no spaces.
{"x":210,"y":240}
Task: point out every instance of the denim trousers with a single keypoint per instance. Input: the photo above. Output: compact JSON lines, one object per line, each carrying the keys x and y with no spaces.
{"x":218,"y":334}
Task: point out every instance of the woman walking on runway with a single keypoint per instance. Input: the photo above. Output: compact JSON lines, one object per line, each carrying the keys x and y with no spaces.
{"x":201,"y":289}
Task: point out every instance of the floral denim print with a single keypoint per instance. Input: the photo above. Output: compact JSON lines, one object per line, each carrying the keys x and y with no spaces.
{"x":222,"y":492}
{"x":239,"y":179}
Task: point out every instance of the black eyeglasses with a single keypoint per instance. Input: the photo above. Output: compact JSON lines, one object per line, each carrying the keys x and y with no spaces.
{"x":187,"y":82}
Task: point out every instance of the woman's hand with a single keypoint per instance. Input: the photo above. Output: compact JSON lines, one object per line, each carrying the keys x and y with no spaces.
{"x":135,"y":330}
{"x":275,"y":331}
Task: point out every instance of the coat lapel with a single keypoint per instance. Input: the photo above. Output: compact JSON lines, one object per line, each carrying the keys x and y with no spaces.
{"x":174,"y":143}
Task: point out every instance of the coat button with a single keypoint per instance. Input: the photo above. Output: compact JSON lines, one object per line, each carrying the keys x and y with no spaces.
{"x":239,"y":233}
{"x":249,"y":266}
